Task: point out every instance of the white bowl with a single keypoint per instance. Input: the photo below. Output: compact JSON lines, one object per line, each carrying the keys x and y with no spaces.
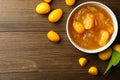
{"x":113,"y":35}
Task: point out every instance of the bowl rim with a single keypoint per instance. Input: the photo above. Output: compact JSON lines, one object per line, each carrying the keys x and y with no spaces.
{"x":113,"y":37}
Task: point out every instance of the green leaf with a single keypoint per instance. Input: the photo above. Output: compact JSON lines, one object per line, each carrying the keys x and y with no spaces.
{"x":115,"y":59}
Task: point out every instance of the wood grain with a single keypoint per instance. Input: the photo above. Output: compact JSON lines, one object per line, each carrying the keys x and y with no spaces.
{"x":27,"y":54}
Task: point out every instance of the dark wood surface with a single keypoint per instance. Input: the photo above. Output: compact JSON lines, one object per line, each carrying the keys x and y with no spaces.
{"x":27,"y":54}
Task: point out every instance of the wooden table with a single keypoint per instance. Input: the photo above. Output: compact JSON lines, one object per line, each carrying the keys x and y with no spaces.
{"x":27,"y":54}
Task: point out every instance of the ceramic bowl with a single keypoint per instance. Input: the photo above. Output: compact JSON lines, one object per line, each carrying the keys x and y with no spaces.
{"x":113,"y":36}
